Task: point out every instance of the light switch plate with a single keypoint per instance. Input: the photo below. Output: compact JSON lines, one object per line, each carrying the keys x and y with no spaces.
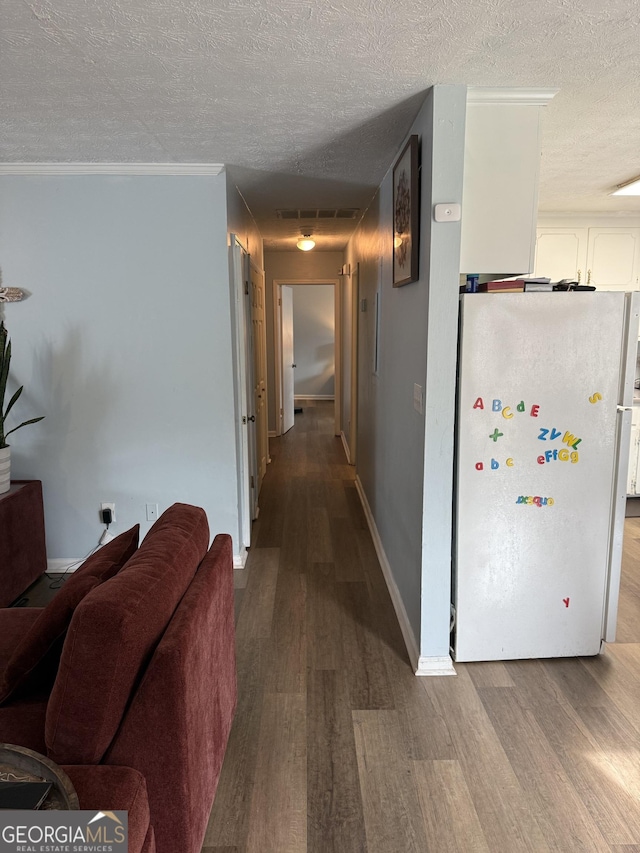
{"x":447,"y":212}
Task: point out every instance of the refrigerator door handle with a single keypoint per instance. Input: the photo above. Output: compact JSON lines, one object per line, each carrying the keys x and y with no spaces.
{"x":625,"y":408}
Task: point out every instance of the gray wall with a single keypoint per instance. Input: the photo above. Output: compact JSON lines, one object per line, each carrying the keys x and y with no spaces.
{"x":292,"y":266}
{"x":240,"y":222}
{"x":125,"y":346}
{"x":404,"y":458}
{"x":314,"y":340}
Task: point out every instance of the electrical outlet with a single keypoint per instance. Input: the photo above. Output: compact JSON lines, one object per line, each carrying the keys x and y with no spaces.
{"x":152,"y":512}
{"x":112,"y":507}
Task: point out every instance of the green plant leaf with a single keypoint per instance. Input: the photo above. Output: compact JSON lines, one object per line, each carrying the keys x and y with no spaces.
{"x":25,"y":423}
{"x":11,"y":402}
{"x":5,"y":359}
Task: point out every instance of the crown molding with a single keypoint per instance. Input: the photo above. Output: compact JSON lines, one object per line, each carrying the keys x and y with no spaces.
{"x":593,"y":218}
{"x":176,"y":169}
{"x":492,"y":96}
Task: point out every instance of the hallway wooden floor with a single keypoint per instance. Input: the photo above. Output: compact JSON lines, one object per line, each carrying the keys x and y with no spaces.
{"x":337,"y":747}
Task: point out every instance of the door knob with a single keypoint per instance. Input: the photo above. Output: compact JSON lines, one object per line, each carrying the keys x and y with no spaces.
{"x":252,"y":418}
{"x":294,"y":365}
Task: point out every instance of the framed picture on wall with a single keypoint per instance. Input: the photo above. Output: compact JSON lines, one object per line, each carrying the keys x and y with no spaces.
{"x":406,"y":215}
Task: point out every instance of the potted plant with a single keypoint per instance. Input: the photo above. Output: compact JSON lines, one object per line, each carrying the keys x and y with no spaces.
{"x":5,"y":450}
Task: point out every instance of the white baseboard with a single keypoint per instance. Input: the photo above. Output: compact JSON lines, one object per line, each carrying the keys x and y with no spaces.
{"x":298,"y":397}
{"x":58,"y":567}
{"x":239,"y":560}
{"x":435,"y":666}
{"x":421,"y":665}
{"x":346,"y":446}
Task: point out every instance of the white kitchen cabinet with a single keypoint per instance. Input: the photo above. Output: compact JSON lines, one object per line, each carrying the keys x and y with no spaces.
{"x":500,"y":187}
{"x":561,"y":253}
{"x":608,"y":258}
{"x":613,"y":258}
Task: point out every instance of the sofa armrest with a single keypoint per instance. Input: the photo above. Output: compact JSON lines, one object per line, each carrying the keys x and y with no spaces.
{"x":178,"y":723}
{"x":103,"y":787}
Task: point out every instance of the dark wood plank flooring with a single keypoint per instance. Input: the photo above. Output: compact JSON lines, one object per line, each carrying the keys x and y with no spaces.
{"x":338,"y":748}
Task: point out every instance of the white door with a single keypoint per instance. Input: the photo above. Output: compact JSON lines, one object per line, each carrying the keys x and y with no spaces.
{"x":353,"y":424}
{"x":288,"y":366}
{"x":259,"y":336}
{"x":245,"y":419}
{"x":254,"y":478}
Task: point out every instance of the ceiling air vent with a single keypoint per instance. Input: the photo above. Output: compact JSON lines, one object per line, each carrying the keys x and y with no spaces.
{"x":319,"y":213}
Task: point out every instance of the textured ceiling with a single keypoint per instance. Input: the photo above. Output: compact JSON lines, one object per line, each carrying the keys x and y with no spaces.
{"x":308,"y":101}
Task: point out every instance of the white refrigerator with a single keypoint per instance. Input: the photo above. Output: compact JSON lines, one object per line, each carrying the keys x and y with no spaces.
{"x":545,"y":390}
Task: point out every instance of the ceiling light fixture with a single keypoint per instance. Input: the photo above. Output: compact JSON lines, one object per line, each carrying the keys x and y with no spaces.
{"x":305,"y":243}
{"x":631,"y":187}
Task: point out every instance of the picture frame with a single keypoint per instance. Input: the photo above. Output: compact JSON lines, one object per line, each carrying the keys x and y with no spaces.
{"x":406,"y":213}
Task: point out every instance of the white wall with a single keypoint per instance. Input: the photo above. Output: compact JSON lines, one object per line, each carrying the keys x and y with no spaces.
{"x":125,"y":346}
{"x":405,"y":459}
{"x":314,"y":340}
{"x":292,"y":266}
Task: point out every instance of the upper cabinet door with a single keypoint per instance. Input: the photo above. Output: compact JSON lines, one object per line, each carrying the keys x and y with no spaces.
{"x":614,"y":258}
{"x":500,"y":188}
{"x":562,"y":253}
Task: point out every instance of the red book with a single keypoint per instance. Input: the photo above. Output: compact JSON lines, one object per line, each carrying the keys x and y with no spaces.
{"x":513,"y":286}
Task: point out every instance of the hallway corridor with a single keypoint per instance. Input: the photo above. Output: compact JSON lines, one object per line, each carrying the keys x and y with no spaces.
{"x":337,"y":747}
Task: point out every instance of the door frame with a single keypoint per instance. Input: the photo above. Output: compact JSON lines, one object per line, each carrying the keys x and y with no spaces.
{"x":337,"y":344}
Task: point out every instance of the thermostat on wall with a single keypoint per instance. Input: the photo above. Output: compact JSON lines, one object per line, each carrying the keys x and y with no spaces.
{"x":447,"y":212}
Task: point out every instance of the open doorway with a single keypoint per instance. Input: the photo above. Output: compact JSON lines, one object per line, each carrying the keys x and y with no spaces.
{"x":307,"y":325}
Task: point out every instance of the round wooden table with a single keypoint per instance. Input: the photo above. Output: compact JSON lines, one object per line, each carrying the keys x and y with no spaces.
{"x":19,"y":764}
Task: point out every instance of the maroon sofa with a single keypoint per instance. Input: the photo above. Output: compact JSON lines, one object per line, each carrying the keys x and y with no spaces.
{"x":127,"y":678}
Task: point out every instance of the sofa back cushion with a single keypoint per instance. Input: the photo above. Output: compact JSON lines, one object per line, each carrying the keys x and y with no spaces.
{"x":33,"y":656}
{"x":176,"y":729}
{"x":113,"y":633}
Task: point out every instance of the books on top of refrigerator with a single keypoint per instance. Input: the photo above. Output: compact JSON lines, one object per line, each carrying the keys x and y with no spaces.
{"x":516,"y":285}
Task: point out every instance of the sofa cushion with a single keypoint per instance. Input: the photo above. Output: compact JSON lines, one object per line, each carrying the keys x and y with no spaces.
{"x":44,"y":637}
{"x":101,"y":788}
{"x":113,"y":633}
